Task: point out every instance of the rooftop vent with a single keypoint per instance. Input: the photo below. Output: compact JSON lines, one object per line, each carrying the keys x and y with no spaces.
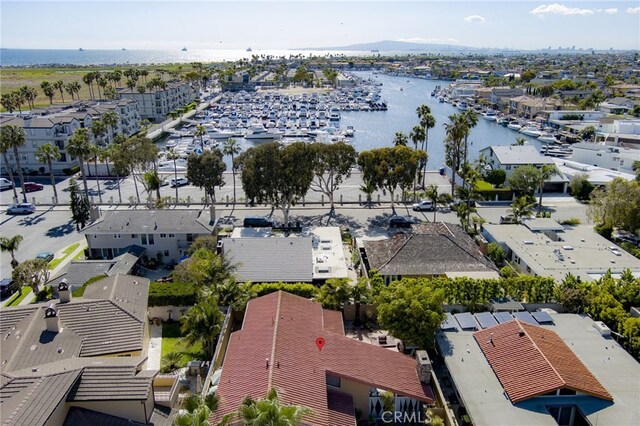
{"x":567,"y":247}
{"x":528,"y":242}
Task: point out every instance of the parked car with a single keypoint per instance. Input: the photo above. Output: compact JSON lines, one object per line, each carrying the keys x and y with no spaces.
{"x":181,"y":181}
{"x":7,"y":287}
{"x":454,"y":204}
{"x":507,"y":219}
{"x":257,"y":222}
{"x":424,"y":205}
{"x":22,"y":208}
{"x":400,"y":222}
{"x":32,"y":186}
{"x":5,"y":184}
{"x":45,"y":255}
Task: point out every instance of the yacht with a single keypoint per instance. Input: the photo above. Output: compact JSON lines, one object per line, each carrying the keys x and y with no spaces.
{"x":350,"y":131}
{"x":335,"y":116}
{"x":258,"y":132}
{"x":490,"y":115}
{"x":215,"y":133}
{"x":514,"y":125}
{"x":249,"y":49}
{"x":184,"y":49}
{"x":462,"y":106}
{"x":168,"y":166}
{"x":547,"y":138}
{"x":531,"y":131}
{"x":81,"y":50}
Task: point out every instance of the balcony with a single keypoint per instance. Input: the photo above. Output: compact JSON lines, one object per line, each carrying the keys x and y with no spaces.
{"x":166,"y":389}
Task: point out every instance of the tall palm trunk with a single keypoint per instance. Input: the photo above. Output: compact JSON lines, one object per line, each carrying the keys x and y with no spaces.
{"x":135,"y":183}
{"x":540,"y":198}
{"x":424,"y":148}
{"x":175,"y":175}
{"x":233,"y":173}
{"x":95,"y":168}
{"x":17,"y":157}
{"x":53,"y":180}
{"x":84,"y":177}
{"x":155,"y":167}
{"x":6,"y":162}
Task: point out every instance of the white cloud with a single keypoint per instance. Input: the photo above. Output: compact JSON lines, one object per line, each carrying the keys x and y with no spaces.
{"x":611,"y":11}
{"x":633,"y":10}
{"x":560,"y":9}
{"x":474,"y":18}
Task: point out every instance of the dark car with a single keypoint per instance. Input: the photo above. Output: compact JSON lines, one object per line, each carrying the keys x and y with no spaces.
{"x":257,"y":222}
{"x":7,"y":287}
{"x":32,"y":186}
{"x":400,"y":222}
{"x":45,"y":255}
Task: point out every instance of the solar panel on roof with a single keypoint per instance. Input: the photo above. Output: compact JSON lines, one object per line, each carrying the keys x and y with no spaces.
{"x":525,"y":317}
{"x":466,"y":321}
{"x":449,"y":323}
{"x":542,"y":317}
{"x":503,"y":317}
{"x":485,"y":319}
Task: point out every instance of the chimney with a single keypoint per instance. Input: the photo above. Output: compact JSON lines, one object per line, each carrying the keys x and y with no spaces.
{"x":220,"y":248}
{"x":51,"y":317}
{"x":94,"y":213}
{"x":212,"y":215}
{"x":63,"y":291}
{"x":424,"y":366}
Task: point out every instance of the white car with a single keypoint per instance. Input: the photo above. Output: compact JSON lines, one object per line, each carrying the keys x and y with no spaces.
{"x":181,"y":181}
{"x":22,"y":208}
{"x":425,"y":205}
{"x":5,"y":184}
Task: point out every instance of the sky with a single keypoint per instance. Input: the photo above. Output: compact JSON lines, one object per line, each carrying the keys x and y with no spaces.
{"x":292,"y":24}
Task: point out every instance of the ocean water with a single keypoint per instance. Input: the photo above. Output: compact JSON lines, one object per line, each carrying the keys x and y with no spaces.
{"x":33,"y":57}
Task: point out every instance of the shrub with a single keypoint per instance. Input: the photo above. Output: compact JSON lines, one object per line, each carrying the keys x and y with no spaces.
{"x":631,"y":249}
{"x":300,"y":289}
{"x":603,"y":230}
{"x":508,"y":272}
{"x":572,"y":221}
{"x":496,"y":177}
{"x":580,"y":187}
{"x":496,"y":254}
{"x":44,"y":295}
{"x":71,"y":170}
{"x":79,"y":292}
{"x":172,"y":294}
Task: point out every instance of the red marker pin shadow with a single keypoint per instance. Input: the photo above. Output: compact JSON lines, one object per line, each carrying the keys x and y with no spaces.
{"x":320,"y":343}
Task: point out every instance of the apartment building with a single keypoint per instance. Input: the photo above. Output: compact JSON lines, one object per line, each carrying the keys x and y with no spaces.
{"x":155,"y":105}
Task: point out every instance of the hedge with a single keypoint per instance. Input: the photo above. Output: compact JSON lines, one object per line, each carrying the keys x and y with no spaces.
{"x":504,"y":194}
{"x":71,"y":170}
{"x":172,"y":294}
{"x":300,"y":289}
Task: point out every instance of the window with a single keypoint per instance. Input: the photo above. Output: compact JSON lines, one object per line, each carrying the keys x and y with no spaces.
{"x":166,"y":253}
{"x":134,"y":235}
{"x":333,"y":381}
{"x":190,"y":238}
{"x":143,"y":239}
{"x":117,"y":236}
{"x":151,"y":239}
{"x":163,"y":235}
{"x":508,"y":167}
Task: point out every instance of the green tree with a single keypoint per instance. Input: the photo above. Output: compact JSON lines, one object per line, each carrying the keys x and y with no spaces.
{"x":636,"y":168}
{"x":196,"y":410}
{"x":388,"y":168}
{"x":8,"y":102}
{"x":496,"y":177}
{"x":152,"y":182}
{"x":202,"y":324}
{"x":525,"y":180}
{"x":11,"y":245}
{"x":276,"y":174}
{"x":520,"y":141}
{"x":454,"y":145}
{"x":400,"y":139}
{"x":433,"y":195}
{"x":331,"y":166}
{"x":59,"y":85}
{"x":205,"y":171}
{"x":5,"y":146}
{"x":496,"y":254}
{"x":580,"y":187}
{"x":617,"y":205}
{"x":427,"y":121}
{"x":200,"y":132}
{"x":368,"y":187}
{"x":13,"y":137}
{"x":204,"y":268}
{"x":94,"y":154}
{"x":232,"y":148}
{"x":79,"y":147}
{"x":48,"y":90}
{"x":411,"y":310}
{"x":588,"y":133}
{"x":270,"y":411}
{"x":546,"y":172}
{"x":521,"y":208}
{"x":110,"y":120}
{"x":134,"y":157}
{"x":47,"y":153}
{"x":79,"y":205}
{"x":334,"y":292}
{"x":33,"y":273}
{"x":173,"y":156}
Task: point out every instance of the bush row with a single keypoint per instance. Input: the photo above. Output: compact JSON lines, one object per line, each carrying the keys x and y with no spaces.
{"x":172,"y":294}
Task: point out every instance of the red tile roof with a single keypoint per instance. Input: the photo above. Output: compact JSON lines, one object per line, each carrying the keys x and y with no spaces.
{"x":531,"y":361}
{"x":333,"y":321}
{"x":282,"y":328}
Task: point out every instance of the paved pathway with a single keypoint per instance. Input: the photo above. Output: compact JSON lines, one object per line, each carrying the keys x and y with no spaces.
{"x":154,"y":354}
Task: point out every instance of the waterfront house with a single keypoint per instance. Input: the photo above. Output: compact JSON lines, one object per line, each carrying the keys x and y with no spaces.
{"x":164,"y":235}
{"x":608,"y":157}
{"x":80,"y":360}
{"x":431,"y":250}
{"x":500,"y":96}
{"x":276,"y":348}
{"x":529,"y":106}
{"x":156,"y":104}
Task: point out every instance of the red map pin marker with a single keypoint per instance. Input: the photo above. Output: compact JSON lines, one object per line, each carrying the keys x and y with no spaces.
{"x":320,"y":343}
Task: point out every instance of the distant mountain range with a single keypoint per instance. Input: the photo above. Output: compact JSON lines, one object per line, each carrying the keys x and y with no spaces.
{"x":398,"y":46}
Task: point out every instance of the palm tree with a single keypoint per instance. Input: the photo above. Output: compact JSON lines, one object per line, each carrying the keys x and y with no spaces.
{"x":455,"y":132}
{"x":79,"y":146}
{"x":417,"y":135}
{"x":111,"y":120}
{"x":48,"y":90}
{"x":368,"y":188}
{"x":4,"y":147}
{"x":152,"y":183}
{"x":19,"y":99}
{"x":522,"y":207}
{"x":433,"y":195}
{"x":173,"y":155}
{"x":270,"y":411}
{"x":400,"y":139}
{"x":470,"y":120}
{"x":200,"y":132}
{"x":70,"y":89}
{"x":232,"y":148}
{"x":11,"y":245}
{"x":546,"y":172}
{"x":520,"y":141}
{"x":47,"y":153}
{"x":102,"y":82}
{"x":12,"y":136}
{"x":202,"y":324}
{"x":88,"y":80}
{"x":59,"y":85}
{"x":31,"y":94}
{"x":94,"y":152}
{"x":427,"y":121}
{"x":98,"y":129}
{"x":113,"y":152}
{"x":196,"y":410}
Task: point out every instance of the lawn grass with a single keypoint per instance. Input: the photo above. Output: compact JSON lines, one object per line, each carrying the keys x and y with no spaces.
{"x":172,"y":342}
{"x":79,"y":256}
{"x":66,"y":253}
{"x":19,"y":296}
{"x":482,"y":185}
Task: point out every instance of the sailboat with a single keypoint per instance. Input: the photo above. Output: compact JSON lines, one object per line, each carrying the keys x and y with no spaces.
{"x":184,"y":49}
{"x":249,"y":49}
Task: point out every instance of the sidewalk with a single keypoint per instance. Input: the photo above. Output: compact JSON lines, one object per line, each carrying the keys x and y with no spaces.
{"x":154,"y":354}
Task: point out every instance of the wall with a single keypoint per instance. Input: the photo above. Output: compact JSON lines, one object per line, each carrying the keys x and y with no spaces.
{"x":59,"y":414}
{"x":176,"y":245}
{"x":162,"y":312}
{"x":130,"y":410}
{"x":366,"y":311}
{"x":360,"y":394}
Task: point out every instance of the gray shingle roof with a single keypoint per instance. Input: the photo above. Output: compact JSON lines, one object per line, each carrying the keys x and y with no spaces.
{"x":34,"y":404}
{"x":152,"y":222}
{"x":433,"y":249}
{"x":81,"y":416}
{"x":271,"y":259}
{"x":525,"y":154}
{"x":110,"y":384}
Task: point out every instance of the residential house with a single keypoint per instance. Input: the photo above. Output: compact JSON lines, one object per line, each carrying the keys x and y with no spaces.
{"x":539,"y":369}
{"x":596,"y":176}
{"x":529,"y":106}
{"x":432,"y":250}
{"x":606,"y":156}
{"x":156,"y":104}
{"x":71,"y":360}
{"x":544,"y":247}
{"x":164,"y":235}
{"x":276,"y":348}
{"x":500,"y":96}
{"x":78,"y":272}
